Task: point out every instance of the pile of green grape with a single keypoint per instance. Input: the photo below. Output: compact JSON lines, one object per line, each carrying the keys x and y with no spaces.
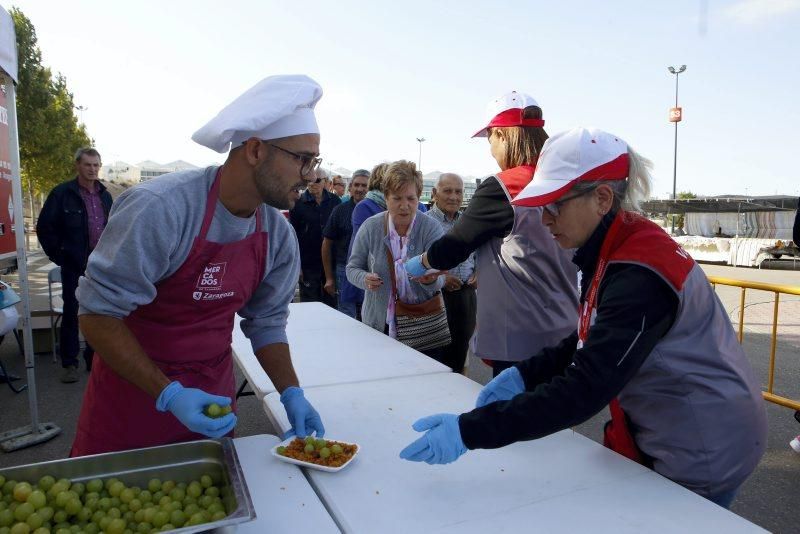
{"x":109,"y":506}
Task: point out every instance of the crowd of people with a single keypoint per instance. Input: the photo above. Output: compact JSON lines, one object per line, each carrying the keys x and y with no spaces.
{"x":549,"y":275}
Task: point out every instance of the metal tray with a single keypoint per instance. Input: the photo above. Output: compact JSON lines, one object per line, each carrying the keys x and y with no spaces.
{"x":181,"y":462}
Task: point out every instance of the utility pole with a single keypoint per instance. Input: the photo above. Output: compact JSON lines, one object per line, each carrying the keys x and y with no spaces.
{"x":419,"y":163}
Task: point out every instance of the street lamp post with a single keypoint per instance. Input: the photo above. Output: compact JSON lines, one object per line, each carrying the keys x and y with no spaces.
{"x":81,"y":109}
{"x":675,"y":116}
{"x":419,"y":163}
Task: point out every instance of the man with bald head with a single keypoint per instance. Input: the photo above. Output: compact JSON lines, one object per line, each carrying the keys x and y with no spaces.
{"x":459,"y":294}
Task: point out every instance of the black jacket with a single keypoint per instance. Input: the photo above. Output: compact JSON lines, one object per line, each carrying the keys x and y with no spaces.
{"x":63,"y":225}
{"x":308,"y":220}
{"x":566,"y":386}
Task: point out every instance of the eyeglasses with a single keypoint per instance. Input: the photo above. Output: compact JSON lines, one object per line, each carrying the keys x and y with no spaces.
{"x":308,"y":164}
{"x":554,"y":208}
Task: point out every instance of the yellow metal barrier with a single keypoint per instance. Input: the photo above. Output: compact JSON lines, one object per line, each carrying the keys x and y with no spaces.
{"x":776,"y":290}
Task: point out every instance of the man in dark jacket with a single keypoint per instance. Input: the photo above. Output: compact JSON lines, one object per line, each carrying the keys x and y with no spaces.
{"x":308,"y":217}
{"x":69,"y":226}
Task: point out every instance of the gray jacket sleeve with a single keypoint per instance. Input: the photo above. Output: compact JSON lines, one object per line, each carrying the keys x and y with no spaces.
{"x":359,"y":263}
{"x":127,"y":262}
{"x":267,"y":312}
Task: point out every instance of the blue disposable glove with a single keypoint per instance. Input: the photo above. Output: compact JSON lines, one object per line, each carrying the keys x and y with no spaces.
{"x":507,"y":385}
{"x":302,"y":416}
{"x":414,"y":267}
{"x":441,"y":444}
{"x":187,"y":405}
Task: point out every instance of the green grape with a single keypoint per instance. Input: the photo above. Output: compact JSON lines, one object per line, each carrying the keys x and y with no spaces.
{"x":116,"y":526}
{"x":110,"y":481}
{"x":34,"y":521}
{"x":174,"y":505}
{"x":336,"y":449}
{"x":126,"y":495}
{"x":91,"y":528}
{"x":22,"y":511}
{"x":154,"y":485}
{"x":116,"y":488}
{"x":213,"y":491}
{"x":21,"y":491}
{"x":79,"y":488}
{"x":320,"y":443}
{"x":6,"y":518}
{"x":213,"y":410}
{"x":191,"y":509}
{"x":168,"y":486}
{"x":94,"y":486}
{"x":194,"y":490}
{"x":197,"y":519}
{"x":8,"y":487}
{"x":60,"y":516}
{"x":310,"y":440}
{"x":281,"y":450}
{"x":157,"y":496}
{"x":64,"y":482}
{"x":145,"y":496}
{"x":135,"y":505}
{"x":177,"y":494}
{"x":189,"y":500}
{"x":215,"y":507}
{"x":128,"y":516}
{"x":226,"y":410}
{"x":115,"y":502}
{"x":46,"y":482}
{"x":2,"y":481}
{"x":104,"y":523}
{"x":205,"y":501}
{"x":219,"y":515}
{"x":123,"y":508}
{"x":324,"y":452}
{"x":37,"y":498}
{"x":149,"y":515}
{"x":144,"y":528}
{"x":3,"y":505}
{"x":73,"y":506}
{"x":164,"y":500}
{"x":206,"y":481}
{"x":84,"y":515}
{"x":177,"y":518}
{"x":160,"y":519}
{"x":46,"y":513}
{"x":114,"y":513}
{"x":21,"y":528}
{"x":42,"y":530}
{"x":62,"y":530}
{"x":97,"y":516}
{"x":309,"y":448}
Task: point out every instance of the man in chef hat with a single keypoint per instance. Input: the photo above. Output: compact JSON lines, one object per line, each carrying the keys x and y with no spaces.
{"x":182,"y":255}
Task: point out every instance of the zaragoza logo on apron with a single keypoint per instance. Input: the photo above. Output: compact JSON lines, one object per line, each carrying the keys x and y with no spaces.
{"x":211,"y":280}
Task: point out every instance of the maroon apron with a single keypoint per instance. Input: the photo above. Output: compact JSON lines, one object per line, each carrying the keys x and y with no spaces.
{"x":616,"y":434}
{"x":186,"y":330}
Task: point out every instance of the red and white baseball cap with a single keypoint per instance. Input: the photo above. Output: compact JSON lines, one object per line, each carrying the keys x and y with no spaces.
{"x":578,"y":155}
{"x":507,"y":111}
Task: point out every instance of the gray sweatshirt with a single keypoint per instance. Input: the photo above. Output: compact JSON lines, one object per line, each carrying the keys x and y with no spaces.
{"x":369,"y":255}
{"x":150,"y":232}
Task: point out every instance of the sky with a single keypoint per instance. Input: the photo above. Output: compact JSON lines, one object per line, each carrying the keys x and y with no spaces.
{"x":150,"y":73}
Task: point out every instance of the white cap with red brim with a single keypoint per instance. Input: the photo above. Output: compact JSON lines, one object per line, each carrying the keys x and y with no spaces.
{"x":277,"y":106}
{"x":507,"y":110}
{"x":578,"y":155}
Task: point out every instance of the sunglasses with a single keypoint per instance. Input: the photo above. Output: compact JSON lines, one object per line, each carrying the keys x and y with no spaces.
{"x":554,"y":208}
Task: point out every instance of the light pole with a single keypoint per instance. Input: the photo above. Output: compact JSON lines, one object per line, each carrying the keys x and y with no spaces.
{"x":81,"y":109}
{"x":419,"y":163}
{"x":675,"y":116}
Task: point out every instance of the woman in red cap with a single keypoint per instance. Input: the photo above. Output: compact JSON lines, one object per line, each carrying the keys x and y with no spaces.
{"x":527,"y":285}
{"x":653,"y":340}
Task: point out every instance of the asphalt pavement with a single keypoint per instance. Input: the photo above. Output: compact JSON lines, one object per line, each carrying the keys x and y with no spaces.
{"x":770,"y":498}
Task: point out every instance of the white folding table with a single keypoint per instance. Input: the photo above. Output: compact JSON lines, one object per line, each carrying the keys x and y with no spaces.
{"x":564,"y":482}
{"x":283,"y":499}
{"x":328,"y":347}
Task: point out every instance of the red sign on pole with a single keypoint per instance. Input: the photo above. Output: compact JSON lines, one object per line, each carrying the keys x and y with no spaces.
{"x":8,"y":244}
{"x":675,"y":114}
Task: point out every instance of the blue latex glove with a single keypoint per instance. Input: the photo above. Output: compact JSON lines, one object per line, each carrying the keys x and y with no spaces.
{"x":441,"y":444}
{"x":507,"y":385}
{"x":414,"y":267}
{"x":187,"y":404}
{"x":302,"y":416}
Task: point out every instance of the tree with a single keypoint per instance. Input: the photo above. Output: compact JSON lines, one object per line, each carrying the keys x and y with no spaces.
{"x":49,"y":133}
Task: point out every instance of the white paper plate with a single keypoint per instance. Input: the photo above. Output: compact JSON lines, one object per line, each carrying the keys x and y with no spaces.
{"x":285,"y":443}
